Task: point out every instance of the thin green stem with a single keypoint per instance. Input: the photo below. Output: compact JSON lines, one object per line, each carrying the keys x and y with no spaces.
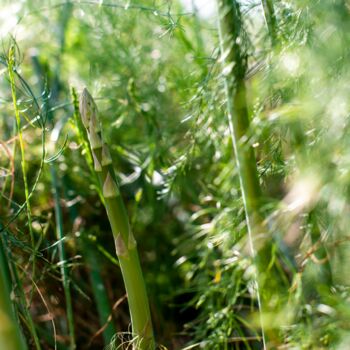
{"x":65,"y":15}
{"x":101,"y":297}
{"x":59,"y":222}
{"x":26,"y":190}
{"x":62,"y":256}
{"x":125,"y":242}
{"x":11,"y":62}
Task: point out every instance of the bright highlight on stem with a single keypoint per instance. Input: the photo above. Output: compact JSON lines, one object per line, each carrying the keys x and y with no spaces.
{"x":125,"y":242}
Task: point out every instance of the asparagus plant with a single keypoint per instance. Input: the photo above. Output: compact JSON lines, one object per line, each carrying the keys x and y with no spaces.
{"x":234,"y":61}
{"x":125,"y":243}
{"x":89,"y":249}
{"x":270,"y":18}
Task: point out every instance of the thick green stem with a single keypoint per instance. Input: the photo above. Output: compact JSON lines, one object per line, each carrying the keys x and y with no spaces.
{"x":125,"y":242}
{"x":11,"y":337}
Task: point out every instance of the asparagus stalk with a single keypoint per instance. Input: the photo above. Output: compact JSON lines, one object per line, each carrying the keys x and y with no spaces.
{"x":234,"y":61}
{"x":125,"y":242}
{"x":89,"y":250}
{"x":270,"y":18}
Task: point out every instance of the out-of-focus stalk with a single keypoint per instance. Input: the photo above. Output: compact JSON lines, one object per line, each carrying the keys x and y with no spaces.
{"x":234,"y":61}
{"x":234,"y":70}
{"x":270,"y":18}
{"x":125,"y":242}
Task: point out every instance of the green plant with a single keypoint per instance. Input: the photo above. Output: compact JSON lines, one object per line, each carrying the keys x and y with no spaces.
{"x":270,"y":18}
{"x":234,"y":68}
{"x":12,"y":73}
{"x":125,"y":243}
{"x":11,"y":336}
{"x":160,"y":79}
